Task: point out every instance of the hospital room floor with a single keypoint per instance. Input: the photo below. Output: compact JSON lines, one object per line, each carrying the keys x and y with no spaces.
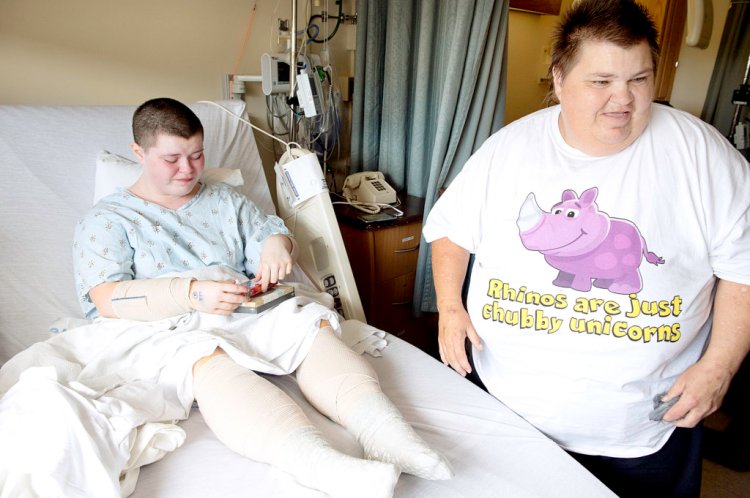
{"x":731,"y":480}
{"x":722,"y":482}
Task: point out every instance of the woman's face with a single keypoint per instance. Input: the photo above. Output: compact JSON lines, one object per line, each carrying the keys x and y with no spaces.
{"x":606,"y":96}
{"x":172,"y":167}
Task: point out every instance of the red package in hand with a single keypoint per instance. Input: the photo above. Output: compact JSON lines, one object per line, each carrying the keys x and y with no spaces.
{"x":254,"y":288}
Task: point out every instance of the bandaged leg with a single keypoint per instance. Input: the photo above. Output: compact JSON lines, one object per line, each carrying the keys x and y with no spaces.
{"x":151,"y":299}
{"x":343,"y":386}
{"x":258,"y":420}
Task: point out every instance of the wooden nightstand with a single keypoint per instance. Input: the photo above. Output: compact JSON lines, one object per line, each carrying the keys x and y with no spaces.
{"x":383,"y":256}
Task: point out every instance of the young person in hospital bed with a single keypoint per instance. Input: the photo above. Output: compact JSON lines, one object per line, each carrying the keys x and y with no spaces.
{"x":136,"y":254}
{"x":614,"y":317}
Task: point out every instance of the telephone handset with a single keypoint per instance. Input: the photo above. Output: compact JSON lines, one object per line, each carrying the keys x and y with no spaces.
{"x":368,"y":187}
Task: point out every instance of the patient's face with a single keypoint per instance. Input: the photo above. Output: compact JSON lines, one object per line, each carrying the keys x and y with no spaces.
{"x":606,"y":97}
{"x":171,"y":167}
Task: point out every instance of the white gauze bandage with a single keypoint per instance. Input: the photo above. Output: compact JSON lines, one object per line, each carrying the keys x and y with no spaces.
{"x":151,"y":299}
{"x":343,"y":386}
{"x":334,"y":378}
{"x":260,"y":421}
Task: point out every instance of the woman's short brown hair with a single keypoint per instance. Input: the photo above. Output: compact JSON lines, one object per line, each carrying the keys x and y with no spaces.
{"x":623,"y":22}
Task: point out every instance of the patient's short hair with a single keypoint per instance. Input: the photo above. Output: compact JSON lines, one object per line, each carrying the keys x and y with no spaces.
{"x":163,"y":116}
{"x":625,"y":23}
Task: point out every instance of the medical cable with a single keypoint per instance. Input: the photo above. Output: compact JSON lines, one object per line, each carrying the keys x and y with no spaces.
{"x":319,"y":16}
{"x":287,"y":145}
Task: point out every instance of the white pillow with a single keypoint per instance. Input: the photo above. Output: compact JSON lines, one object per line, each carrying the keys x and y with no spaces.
{"x":114,"y":172}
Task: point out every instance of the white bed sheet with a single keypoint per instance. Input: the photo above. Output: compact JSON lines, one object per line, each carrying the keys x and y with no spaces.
{"x":493,"y":451}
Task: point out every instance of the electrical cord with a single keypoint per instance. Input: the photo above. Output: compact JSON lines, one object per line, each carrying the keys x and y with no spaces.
{"x":287,"y":145}
{"x":313,"y":38}
{"x":370,"y":207}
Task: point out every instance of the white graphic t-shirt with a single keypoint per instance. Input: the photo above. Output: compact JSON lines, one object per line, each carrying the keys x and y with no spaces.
{"x":594,"y":276}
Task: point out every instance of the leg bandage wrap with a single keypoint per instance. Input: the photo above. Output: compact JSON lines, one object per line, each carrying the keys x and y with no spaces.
{"x":151,"y":299}
{"x":343,"y":386}
{"x":258,"y":420}
{"x":334,"y":378}
{"x":246,"y":412}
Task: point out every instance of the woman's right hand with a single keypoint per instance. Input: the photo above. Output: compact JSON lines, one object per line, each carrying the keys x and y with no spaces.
{"x":220,"y":298}
{"x":449,"y":263}
{"x":454,"y":326}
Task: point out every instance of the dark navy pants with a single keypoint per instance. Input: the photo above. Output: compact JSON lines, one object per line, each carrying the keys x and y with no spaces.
{"x":673,"y":471}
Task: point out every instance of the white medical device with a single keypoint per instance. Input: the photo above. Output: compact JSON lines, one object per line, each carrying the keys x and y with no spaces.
{"x":700,"y":18}
{"x":274,"y":74}
{"x":308,"y":93}
{"x":304,"y":202}
{"x":305,"y":206}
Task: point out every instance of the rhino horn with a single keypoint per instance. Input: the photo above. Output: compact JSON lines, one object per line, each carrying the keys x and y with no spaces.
{"x":530,"y":214}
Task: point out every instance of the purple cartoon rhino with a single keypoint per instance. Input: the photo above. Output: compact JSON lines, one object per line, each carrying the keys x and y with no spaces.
{"x":585,"y":244}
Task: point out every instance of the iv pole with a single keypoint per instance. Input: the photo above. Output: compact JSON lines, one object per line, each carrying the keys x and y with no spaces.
{"x":740,"y":99}
{"x":293,"y":73}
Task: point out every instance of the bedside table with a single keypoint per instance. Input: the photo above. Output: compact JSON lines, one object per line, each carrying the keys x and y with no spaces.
{"x":383,"y":255}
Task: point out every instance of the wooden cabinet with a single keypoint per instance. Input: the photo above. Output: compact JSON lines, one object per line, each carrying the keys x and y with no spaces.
{"x":383,"y":257}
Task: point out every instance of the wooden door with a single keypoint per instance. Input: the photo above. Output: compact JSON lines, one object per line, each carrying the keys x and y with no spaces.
{"x":669,"y":17}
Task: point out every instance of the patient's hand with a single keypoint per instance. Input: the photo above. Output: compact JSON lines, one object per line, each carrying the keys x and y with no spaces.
{"x":453,"y":329}
{"x":220,"y":298}
{"x":276,"y":260}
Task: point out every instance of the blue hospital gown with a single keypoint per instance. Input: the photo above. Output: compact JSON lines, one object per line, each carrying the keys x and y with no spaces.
{"x":125,"y":237}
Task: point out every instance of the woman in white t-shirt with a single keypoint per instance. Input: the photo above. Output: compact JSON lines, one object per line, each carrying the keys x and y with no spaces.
{"x":611,"y":241}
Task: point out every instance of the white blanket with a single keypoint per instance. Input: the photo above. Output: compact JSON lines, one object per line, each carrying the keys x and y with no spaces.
{"x":81,"y":412}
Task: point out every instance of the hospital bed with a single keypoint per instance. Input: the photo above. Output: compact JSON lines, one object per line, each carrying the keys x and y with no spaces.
{"x":52,"y":166}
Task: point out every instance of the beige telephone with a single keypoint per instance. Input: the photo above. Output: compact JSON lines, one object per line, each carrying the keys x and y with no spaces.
{"x":368,"y":187}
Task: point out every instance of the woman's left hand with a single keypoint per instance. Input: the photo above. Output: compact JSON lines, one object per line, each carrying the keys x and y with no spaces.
{"x":276,"y":260}
{"x":702,"y":386}
{"x":701,"y":389}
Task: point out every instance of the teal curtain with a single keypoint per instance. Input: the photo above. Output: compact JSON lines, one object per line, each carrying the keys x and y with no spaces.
{"x":429,"y":88}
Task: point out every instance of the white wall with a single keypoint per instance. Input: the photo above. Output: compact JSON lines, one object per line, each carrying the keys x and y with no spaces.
{"x":529,"y":38}
{"x":124,"y":52}
{"x":110,"y":52}
{"x":117,"y":52}
{"x":696,"y":66}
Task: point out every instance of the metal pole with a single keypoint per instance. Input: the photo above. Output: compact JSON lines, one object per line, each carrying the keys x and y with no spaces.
{"x":293,"y":72}
{"x":739,"y":99}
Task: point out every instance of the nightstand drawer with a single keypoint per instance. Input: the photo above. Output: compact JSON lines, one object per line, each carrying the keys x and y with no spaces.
{"x":397,"y":291}
{"x":396,"y":250}
{"x":397,"y":321}
{"x":391,"y":308}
